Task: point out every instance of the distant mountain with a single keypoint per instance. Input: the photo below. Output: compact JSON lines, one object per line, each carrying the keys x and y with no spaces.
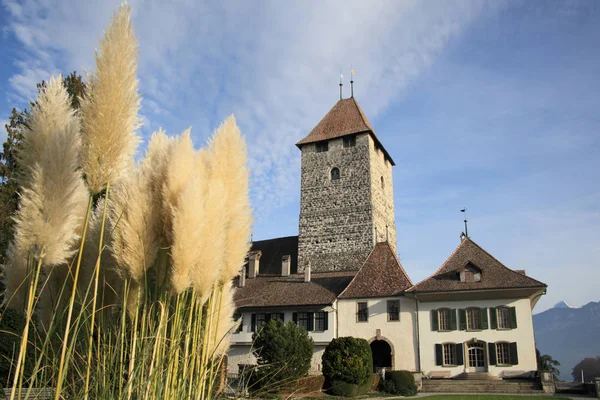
{"x":562,"y":304}
{"x":568,"y":334}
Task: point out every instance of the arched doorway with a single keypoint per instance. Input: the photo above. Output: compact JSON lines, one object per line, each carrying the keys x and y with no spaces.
{"x":382,"y":354}
{"x":476,"y":359}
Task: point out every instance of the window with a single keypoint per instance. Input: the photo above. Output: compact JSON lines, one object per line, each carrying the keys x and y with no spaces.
{"x":393,"y":310}
{"x":237,"y":317}
{"x":277,"y":316}
{"x":320,"y":321}
{"x":503,"y":353}
{"x":322,"y":147}
{"x":335,"y":174}
{"x":260,"y":319}
{"x":303,"y":320}
{"x":349,"y":141}
{"x":362,"y":314}
{"x":503,"y":317}
{"x":449,"y":354}
{"x":444,"y":318}
{"x":473,"y":319}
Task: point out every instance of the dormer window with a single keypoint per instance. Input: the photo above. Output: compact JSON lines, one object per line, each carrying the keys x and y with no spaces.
{"x":335,"y":174}
{"x":349,"y":141}
{"x":469,"y":273}
{"x":322,"y":147}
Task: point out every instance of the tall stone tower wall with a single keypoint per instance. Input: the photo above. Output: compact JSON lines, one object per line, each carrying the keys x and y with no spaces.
{"x":338,"y":217}
{"x":382,"y":196}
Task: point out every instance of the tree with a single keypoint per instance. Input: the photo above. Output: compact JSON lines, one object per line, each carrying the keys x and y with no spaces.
{"x":284,"y":353}
{"x":590,"y":367}
{"x":9,"y":169}
{"x":546,"y":363}
{"x":348,"y":366}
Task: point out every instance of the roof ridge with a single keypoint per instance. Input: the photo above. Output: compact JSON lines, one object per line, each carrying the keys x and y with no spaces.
{"x":439,"y":269}
{"x":362,"y":115}
{"x":502,"y":265}
{"x":399,"y":263}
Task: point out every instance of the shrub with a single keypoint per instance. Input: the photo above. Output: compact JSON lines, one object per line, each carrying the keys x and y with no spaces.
{"x":284,"y":353}
{"x":345,"y":389}
{"x":349,"y":360}
{"x":399,"y":383}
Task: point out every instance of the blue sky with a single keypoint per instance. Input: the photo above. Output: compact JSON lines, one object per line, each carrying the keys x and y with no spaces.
{"x":491,"y":106}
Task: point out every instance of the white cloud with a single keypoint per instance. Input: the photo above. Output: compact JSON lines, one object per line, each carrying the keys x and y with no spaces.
{"x":275,"y":65}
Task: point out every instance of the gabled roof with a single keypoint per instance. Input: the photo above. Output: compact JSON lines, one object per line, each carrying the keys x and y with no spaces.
{"x":272,"y":250}
{"x":381,"y":275}
{"x":285,"y":291}
{"x":345,"y":118}
{"x":494,"y":275}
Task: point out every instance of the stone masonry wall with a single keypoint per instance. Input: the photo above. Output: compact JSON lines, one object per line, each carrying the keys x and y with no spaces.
{"x":336,"y":218}
{"x":382,"y":195}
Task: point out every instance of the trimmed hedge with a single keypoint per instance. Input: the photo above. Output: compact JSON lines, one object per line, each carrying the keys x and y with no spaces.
{"x":349,"y":360}
{"x":345,"y":389}
{"x":399,"y":383}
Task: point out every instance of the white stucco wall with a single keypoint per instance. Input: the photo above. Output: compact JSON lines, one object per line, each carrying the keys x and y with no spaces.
{"x":522,"y":335}
{"x":399,"y":334}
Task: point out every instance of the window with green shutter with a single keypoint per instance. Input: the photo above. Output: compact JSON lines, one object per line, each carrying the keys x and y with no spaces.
{"x":435,"y":325}
{"x":514,"y":355}
{"x":493,"y":318}
{"x":453,"y":320}
{"x":462,"y":319}
{"x":513,"y":317}
{"x":484,"y":318}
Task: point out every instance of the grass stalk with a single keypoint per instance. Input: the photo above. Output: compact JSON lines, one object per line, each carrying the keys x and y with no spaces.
{"x":63,"y":365}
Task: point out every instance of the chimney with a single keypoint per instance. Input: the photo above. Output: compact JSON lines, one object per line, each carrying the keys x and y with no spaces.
{"x":253,"y":263}
{"x":307,"y":273}
{"x":286,"y":264}
{"x":242,"y":280}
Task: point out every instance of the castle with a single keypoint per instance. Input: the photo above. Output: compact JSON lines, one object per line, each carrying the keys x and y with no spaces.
{"x":341,"y":275}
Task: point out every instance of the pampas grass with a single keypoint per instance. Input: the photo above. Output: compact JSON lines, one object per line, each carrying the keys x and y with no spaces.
{"x":110,"y":108}
{"x":137,"y":295}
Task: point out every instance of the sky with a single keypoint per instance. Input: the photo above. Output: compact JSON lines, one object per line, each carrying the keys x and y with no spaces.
{"x":492,"y":106}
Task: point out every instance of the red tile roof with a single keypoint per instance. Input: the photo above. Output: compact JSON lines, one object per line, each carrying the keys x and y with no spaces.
{"x":381,"y":275}
{"x":280,"y":291}
{"x":494,"y":274}
{"x":345,"y":118}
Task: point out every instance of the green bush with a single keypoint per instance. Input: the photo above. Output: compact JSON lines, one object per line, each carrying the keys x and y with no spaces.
{"x":283,"y":352}
{"x":12,"y":323}
{"x":345,"y":389}
{"x":399,"y":383}
{"x":349,"y":360}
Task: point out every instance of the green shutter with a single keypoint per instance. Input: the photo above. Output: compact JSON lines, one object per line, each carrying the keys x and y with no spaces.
{"x":282,"y":317}
{"x":483,"y":312}
{"x":462,"y":319}
{"x":453,"y":320}
{"x":514,"y":355}
{"x":295,"y":318}
{"x":459,"y":354}
{"x":253,"y":327}
{"x":435,"y":323}
{"x":493,"y":318}
{"x":267,"y":317}
{"x":439,"y":356}
{"x":311,"y":321}
{"x":492,"y":353}
{"x":325,"y":320}
{"x":513,"y":317}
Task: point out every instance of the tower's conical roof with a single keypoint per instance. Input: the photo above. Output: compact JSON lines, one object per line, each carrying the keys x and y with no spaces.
{"x":345,"y":118}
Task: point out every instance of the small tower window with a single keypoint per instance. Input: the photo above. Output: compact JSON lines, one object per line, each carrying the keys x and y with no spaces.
{"x":382,"y":183}
{"x":349,"y":141}
{"x":322,"y":147}
{"x":335,"y":174}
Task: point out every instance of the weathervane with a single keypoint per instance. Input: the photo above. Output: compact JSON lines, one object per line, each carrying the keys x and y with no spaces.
{"x":464,"y":210}
{"x":352,"y":81}
{"x":341,"y":84}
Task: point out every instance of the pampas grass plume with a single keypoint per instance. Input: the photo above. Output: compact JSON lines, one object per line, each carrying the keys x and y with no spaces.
{"x":110,"y":108}
{"x":228,"y":165}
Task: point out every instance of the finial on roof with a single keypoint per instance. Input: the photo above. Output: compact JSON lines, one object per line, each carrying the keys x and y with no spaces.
{"x":341,"y":84}
{"x":352,"y":81}
{"x":464,"y":210}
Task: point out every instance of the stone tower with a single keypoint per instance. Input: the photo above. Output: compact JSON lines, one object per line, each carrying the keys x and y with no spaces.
{"x":346,"y":195}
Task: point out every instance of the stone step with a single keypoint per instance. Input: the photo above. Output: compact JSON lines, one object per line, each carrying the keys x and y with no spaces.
{"x":481,"y":386}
